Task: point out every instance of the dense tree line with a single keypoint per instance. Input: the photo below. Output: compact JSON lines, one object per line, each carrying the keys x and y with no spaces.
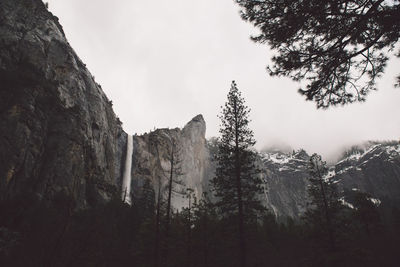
{"x":37,"y":233}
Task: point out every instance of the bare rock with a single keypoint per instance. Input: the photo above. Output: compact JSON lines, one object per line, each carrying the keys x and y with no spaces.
{"x":58,"y":130}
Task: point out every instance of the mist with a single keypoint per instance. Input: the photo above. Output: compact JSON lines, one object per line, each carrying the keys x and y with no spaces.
{"x":163,"y":63}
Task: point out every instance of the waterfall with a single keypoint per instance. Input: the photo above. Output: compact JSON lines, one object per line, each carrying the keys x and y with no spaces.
{"x":126,"y":182}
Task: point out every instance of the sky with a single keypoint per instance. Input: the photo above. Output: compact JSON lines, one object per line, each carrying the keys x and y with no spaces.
{"x":163,"y":62}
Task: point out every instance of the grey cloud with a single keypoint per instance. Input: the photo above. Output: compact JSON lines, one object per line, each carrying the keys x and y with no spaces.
{"x":162,"y":62}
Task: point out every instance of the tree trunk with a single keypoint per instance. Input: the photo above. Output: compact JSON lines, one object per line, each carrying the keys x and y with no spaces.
{"x":242,"y":241}
{"x":327,"y":214}
{"x":189,"y":244}
{"x":157,"y":238}
{"x":205,"y":241}
{"x":170,"y":192}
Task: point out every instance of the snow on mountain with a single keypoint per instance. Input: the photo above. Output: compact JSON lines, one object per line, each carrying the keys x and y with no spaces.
{"x":373,"y":168}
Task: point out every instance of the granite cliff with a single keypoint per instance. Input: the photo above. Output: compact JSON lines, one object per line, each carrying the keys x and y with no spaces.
{"x":58,"y":130}
{"x":151,"y":159}
{"x":285,"y":177}
{"x":373,"y":168}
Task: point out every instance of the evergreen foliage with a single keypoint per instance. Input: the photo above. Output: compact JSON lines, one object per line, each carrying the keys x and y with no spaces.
{"x":339,"y":47}
{"x":36,"y":232}
{"x":325,"y":210}
{"x":175,"y":183}
{"x":365,"y":213}
{"x":236,"y":183}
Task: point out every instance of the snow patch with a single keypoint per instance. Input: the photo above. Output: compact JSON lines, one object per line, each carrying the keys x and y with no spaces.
{"x":352,"y":157}
{"x":284,"y":168}
{"x":345,"y":203}
{"x":331,"y":173}
{"x":345,"y":170}
{"x":376,"y":201}
{"x":277,"y":158}
{"x":393,"y":151}
{"x":357,"y":156}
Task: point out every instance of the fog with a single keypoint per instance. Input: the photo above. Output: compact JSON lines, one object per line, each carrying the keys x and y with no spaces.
{"x":163,"y":62}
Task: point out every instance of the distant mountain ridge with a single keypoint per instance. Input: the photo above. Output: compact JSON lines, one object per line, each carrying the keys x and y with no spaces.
{"x":373,"y":168}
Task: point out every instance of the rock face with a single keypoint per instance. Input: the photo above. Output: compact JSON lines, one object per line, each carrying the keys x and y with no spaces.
{"x":374,"y":169}
{"x":286,"y":180}
{"x":58,"y":129}
{"x":152,"y":159}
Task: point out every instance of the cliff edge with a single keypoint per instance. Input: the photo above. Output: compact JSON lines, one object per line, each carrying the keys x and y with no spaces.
{"x":58,"y":130}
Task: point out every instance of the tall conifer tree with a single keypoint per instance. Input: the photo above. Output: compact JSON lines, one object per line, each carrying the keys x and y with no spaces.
{"x":325,"y":209}
{"x":237,"y":183}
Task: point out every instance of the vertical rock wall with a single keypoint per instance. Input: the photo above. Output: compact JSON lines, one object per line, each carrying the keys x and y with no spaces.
{"x":151,"y":153}
{"x":58,"y":130}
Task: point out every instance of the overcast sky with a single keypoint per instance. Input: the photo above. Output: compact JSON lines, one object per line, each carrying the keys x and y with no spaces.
{"x":163,"y":62}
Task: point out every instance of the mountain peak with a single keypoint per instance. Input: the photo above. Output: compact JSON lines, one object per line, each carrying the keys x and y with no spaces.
{"x":195,"y":127}
{"x":198,"y":118}
{"x":197,"y":122}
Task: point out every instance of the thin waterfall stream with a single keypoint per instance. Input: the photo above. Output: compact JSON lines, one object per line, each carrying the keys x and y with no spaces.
{"x":126,"y":181}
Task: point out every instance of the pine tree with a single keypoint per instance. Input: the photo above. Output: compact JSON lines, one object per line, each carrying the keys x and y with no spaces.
{"x":160,"y":190}
{"x":236,"y":183}
{"x":325,"y":203}
{"x":204,"y":221}
{"x":174,"y":173}
{"x":174,"y":185}
{"x":339,"y":48}
{"x":366,"y":212}
{"x":189,"y":224}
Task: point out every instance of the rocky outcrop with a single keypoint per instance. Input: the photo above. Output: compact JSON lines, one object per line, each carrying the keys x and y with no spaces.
{"x":152,"y":160}
{"x":58,"y":130}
